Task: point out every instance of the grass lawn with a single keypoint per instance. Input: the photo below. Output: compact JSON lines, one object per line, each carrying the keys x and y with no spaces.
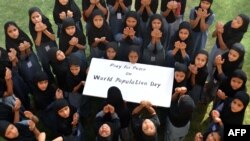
{"x":225,"y":10}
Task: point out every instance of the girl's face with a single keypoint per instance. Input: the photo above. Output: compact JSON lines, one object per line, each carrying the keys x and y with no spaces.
{"x":133,"y":57}
{"x":105,"y":130}
{"x":74,"y":69}
{"x":70,"y":30}
{"x":131,"y":22}
{"x":200,"y":60}
{"x":237,"y":22}
{"x":98,"y":21}
{"x":236,"y":105}
{"x":60,"y":55}
{"x":233,"y":55}
{"x":183,"y":34}
{"x":236,"y":83}
{"x":13,"y":32}
{"x":36,"y":17}
{"x":179,"y":76}
{"x":63,"y":2}
{"x":42,"y":85}
{"x":111,"y":53}
{"x":64,"y":112}
{"x":205,"y":4}
{"x":148,"y":127}
{"x":213,"y":136}
{"x":11,"y":132}
{"x":156,"y":24}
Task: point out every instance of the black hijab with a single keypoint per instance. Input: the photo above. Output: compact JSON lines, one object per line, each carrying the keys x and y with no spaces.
{"x":188,"y":41}
{"x":229,"y":117}
{"x":65,"y":38}
{"x":4,"y":62}
{"x":201,"y":76}
{"x":45,"y":21}
{"x":229,"y":67}
{"x":6,"y":112}
{"x":180,"y":68}
{"x":232,"y":35}
{"x":148,"y":36}
{"x":209,"y":11}
{"x":43,"y":98}
{"x":71,"y":5}
{"x":144,"y":15}
{"x":115,"y":99}
{"x":14,"y":43}
{"x":127,"y":3}
{"x":137,"y":28}
{"x":113,"y":45}
{"x":181,"y":111}
{"x":24,"y":133}
{"x":86,"y":4}
{"x":226,"y":83}
{"x":95,"y":32}
{"x":171,"y":17}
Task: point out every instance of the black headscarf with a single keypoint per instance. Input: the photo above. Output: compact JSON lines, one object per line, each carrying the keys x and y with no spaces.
{"x":135,"y":48}
{"x":229,"y":117}
{"x":95,"y":32}
{"x":226,"y":83}
{"x":113,"y":45}
{"x":6,"y":112}
{"x":127,"y":3}
{"x":189,"y":41}
{"x":45,"y":21}
{"x":65,"y":38}
{"x":201,"y":76}
{"x":4,"y":62}
{"x":43,"y":98}
{"x":209,"y":11}
{"x":148,"y":36}
{"x":115,"y":99}
{"x":86,"y":4}
{"x":153,"y":7}
{"x":137,"y":28}
{"x":232,"y":35}
{"x":71,"y":5}
{"x":171,"y":17}
{"x":180,"y":68}
{"x":72,"y":80}
{"x":229,"y":67}
{"x":24,"y":133}
{"x":181,"y":111}
{"x":14,"y":43}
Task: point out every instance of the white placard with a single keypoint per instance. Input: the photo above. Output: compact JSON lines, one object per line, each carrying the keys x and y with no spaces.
{"x":136,"y":81}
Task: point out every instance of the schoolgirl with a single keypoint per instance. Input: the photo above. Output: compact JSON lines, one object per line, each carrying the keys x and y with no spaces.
{"x":129,"y":34}
{"x":180,"y":47}
{"x":43,"y":36}
{"x":154,"y":41}
{"x":99,"y":34}
{"x":66,"y":8}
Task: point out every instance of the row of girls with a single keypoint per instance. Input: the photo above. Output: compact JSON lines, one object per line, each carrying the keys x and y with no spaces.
{"x":139,"y":37}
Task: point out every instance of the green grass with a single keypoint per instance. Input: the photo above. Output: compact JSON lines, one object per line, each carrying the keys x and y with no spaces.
{"x":225,"y":10}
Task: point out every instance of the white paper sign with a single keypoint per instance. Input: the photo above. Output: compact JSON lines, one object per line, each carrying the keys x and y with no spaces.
{"x":136,"y":81}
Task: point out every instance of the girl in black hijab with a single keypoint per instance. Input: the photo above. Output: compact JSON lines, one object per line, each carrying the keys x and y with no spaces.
{"x":179,"y":117}
{"x":19,"y":131}
{"x":43,"y":37}
{"x":67,"y":121}
{"x":230,"y":86}
{"x":226,"y":35}
{"x":111,"y":51}
{"x":233,"y":110}
{"x":66,"y":8}
{"x":72,"y":40}
{"x":59,"y":63}
{"x":145,"y":8}
{"x":117,"y":10}
{"x":180,"y":47}
{"x":154,"y":41}
{"x":99,"y":34}
{"x":129,"y":34}
{"x":197,"y":76}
